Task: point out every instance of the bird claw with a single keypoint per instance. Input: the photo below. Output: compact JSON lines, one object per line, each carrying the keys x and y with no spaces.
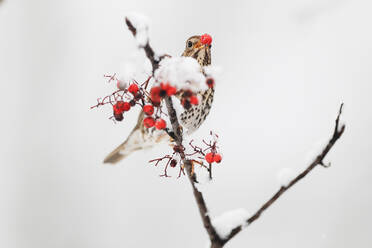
{"x":170,"y":133}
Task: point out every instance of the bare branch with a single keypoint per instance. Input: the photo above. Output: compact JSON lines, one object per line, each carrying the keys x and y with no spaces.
{"x":317,"y":161}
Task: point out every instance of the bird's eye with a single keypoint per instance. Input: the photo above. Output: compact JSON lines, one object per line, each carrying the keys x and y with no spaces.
{"x":189,"y":44}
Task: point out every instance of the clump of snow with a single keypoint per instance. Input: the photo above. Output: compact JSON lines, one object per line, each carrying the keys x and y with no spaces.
{"x":121,"y":84}
{"x":226,"y":222}
{"x":182,"y":72}
{"x":141,"y":23}
{"x":203,"y":180}
{"x":316,"y":148}
{"x":212,"y":71}
{"x":136,"y":66}
{"x":285,"y":176}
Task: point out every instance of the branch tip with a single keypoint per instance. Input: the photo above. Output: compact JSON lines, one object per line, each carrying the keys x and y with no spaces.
{"x":317,"y":161}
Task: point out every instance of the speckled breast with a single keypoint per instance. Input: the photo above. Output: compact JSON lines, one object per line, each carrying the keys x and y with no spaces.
{"x":192,"y":118}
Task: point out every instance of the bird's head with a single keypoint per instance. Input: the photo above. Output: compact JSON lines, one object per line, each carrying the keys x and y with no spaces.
{"x":199,"y":47}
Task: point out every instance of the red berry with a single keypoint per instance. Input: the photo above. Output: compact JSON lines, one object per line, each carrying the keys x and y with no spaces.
{"x":206,"y":39}
{"x":210,"y":82}
{"x":173,"y":163}
{"x":118,"y":107}
{"x":118,"y":117}
{"x":194,"y":100}
{"x":133,"y":88}
{"x":217,"y":158}
{"x":160,"y":124}
{"x":171,"y":91}
{"x":164,"y":86}
{"x":126,"y":106}
{"x":148,"y":122}
{"x":155,"y":95}
{"x":121,"y":106}
{"x":209,"y":157}
{"x":148,"y":109}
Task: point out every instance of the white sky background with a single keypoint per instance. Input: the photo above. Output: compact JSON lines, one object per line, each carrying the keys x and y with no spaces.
{"x":287,"y":65}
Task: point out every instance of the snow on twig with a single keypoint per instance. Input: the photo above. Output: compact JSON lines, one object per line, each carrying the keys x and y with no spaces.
{"x":228,"y":221}
{"x":140,"y":23}
{"x":285,"y":176}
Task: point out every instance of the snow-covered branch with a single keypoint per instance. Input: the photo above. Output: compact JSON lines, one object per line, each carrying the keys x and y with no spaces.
{"x":221,"y":229}
{"x":337,"y":133}
{"x":142,"y":37}
{"x":178,"y":138}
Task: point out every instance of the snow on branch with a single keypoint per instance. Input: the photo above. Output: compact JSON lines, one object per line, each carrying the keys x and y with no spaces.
{"x":141,"y":36}
{"x":229,"y":221}
{"x":140,"y":25}
{"x":182,"y":72}
{"x":337,"y":133}
{"x":223,"y":228}
{"x":285,"y":176}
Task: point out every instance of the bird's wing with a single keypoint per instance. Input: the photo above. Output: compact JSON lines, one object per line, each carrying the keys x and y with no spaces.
{"x":132,"y":143}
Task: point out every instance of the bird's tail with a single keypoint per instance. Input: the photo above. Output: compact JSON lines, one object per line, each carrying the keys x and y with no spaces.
{"x":131,"y":144}
{"x":134,"y":142}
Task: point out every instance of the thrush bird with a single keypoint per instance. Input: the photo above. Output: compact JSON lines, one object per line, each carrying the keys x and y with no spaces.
{"x":191,"y":118}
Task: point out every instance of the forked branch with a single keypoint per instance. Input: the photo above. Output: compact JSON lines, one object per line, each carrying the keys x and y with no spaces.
{"x":215,"y":239}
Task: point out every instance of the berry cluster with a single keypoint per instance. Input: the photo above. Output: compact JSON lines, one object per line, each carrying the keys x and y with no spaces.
{"x":212,"y":157}
{"x":208,"y":153}
{"x":172,"y":160}
{"x":149,"y":121}
{"x":158,"y":92}
{"x":126,"y":97}
{"x":123,"y":99}
{"x":120,"y":106}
